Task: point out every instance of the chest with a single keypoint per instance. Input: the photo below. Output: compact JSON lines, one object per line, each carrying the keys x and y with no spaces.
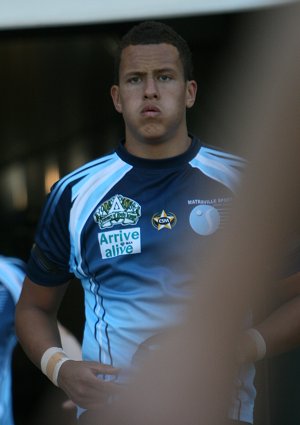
{"x":150,"y":217}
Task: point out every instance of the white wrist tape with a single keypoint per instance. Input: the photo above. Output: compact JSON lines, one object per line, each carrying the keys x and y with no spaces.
{"x":260,"y":343}
{"x":56,"y":369}
{"x":51,"y":361}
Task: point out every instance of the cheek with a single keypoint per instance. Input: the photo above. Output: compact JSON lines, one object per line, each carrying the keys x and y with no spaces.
{"x":176,"y":105}
{"x":130,"y":105}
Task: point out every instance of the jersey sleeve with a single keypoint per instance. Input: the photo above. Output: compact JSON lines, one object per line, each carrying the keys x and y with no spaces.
{"x":49,"y":260}
{"x":7,"y":312}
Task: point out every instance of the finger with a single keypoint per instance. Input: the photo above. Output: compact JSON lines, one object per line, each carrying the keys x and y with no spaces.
{"x":103,"y":389}
{"x":99,"y":394}
{"x":68,"y":405}
{"x":104,"y":368}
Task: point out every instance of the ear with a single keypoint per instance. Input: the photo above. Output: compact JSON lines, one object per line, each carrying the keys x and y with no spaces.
{"x":115,"y":94}
{"x":191,"y":91}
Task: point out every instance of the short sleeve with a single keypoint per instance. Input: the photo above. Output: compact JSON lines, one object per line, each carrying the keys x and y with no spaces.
{"x":50,"y":256}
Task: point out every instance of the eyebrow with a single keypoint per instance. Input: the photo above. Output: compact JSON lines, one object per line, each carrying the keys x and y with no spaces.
{"x":155,"y":71}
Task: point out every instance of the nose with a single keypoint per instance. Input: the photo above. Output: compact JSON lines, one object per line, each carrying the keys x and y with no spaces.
{"x":150,"y":89}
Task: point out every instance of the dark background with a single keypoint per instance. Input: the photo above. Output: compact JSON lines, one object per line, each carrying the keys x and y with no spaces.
{"x":55,"y":106}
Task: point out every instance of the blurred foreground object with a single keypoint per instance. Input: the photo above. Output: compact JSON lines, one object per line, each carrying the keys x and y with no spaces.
{"x":190,"y":379}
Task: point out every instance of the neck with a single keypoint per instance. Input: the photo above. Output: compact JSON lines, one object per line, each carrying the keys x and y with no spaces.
{"x":158,"y":149}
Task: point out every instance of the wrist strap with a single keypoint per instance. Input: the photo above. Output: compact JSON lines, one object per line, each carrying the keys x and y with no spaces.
{"x":260,"y":343}
{"x":56,"y":369}
{"x":51,"y":362}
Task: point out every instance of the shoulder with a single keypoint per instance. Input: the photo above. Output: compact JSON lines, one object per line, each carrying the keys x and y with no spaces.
{"x":70,"y":183}
{"x":12,"y":264}
{"x":222,"y":155}
{"x":12,"y":272}
{"x":220,"y":165}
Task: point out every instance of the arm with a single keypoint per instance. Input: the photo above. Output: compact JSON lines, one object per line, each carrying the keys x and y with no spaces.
{"x":37,"y":329}
{"x":36,"y":322}
{"x":281,"y":328}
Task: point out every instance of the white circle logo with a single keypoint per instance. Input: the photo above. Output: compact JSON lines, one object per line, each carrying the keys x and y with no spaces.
{"x":205,"y":220}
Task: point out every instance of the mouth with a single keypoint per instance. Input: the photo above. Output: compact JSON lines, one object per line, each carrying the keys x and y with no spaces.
{"x":150,"y":111}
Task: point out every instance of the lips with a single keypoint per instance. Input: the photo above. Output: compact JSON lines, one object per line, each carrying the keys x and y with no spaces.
{"x":150,"y":111}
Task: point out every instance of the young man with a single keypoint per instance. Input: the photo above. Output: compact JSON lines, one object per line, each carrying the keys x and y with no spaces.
{"x":128,"y":226}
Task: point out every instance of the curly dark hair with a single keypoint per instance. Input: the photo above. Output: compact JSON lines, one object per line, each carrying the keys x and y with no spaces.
{"x":154,"y":32}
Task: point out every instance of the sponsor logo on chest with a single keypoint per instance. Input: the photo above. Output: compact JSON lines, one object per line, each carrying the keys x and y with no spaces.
{"x":118,"y":210}
{"x":163,"y":220}
{"x":208,"y":215}
{"x":120,"y":242}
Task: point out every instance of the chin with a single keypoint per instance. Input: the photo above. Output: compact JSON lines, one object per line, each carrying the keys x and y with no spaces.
{"x":153,"y":135}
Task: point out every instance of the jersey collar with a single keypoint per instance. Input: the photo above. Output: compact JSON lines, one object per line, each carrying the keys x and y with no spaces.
{"x":172,"y":162}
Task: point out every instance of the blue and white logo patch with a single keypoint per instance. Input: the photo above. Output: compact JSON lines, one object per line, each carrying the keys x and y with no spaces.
{"x":205,"y":219}
{"x":120,"y":242}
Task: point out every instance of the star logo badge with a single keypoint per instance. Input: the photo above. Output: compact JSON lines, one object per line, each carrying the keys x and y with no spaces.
{"x":163,"y":220}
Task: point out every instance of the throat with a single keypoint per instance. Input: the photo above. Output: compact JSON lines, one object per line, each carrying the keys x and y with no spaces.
{"x":158,"y":149}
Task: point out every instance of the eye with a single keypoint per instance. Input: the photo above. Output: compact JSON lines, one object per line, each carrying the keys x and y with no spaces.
{"x":134,"y":79}
{"x":164,"y":77}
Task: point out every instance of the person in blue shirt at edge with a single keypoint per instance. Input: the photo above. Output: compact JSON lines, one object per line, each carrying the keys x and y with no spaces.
{"x":12,"y":274}
{"x":119,"y":224}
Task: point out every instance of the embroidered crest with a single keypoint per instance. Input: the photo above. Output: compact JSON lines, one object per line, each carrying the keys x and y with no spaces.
{"x":117,"y":210}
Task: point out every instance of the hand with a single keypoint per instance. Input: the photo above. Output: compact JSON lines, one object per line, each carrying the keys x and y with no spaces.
{"x":80,"y":381}
{"x":68,"y":405}
{"x":246,"y":349}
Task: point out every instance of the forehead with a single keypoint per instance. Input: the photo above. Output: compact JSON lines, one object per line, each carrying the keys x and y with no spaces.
{"x":149,"y":57}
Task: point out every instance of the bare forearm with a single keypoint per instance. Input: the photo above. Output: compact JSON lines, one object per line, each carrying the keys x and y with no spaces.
{"x":36,"y":331}
{"x":281,"y":330}
{"x":36,"y":322}
{"x":278,"y":333}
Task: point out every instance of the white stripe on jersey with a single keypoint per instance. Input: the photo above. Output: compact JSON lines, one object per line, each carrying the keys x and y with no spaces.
{"x":220,"y":166}
{"x":89,"y":193}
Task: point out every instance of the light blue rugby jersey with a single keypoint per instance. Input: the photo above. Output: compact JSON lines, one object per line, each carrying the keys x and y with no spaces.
{"x":12,"y":273}
{"x":134,"y":231}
